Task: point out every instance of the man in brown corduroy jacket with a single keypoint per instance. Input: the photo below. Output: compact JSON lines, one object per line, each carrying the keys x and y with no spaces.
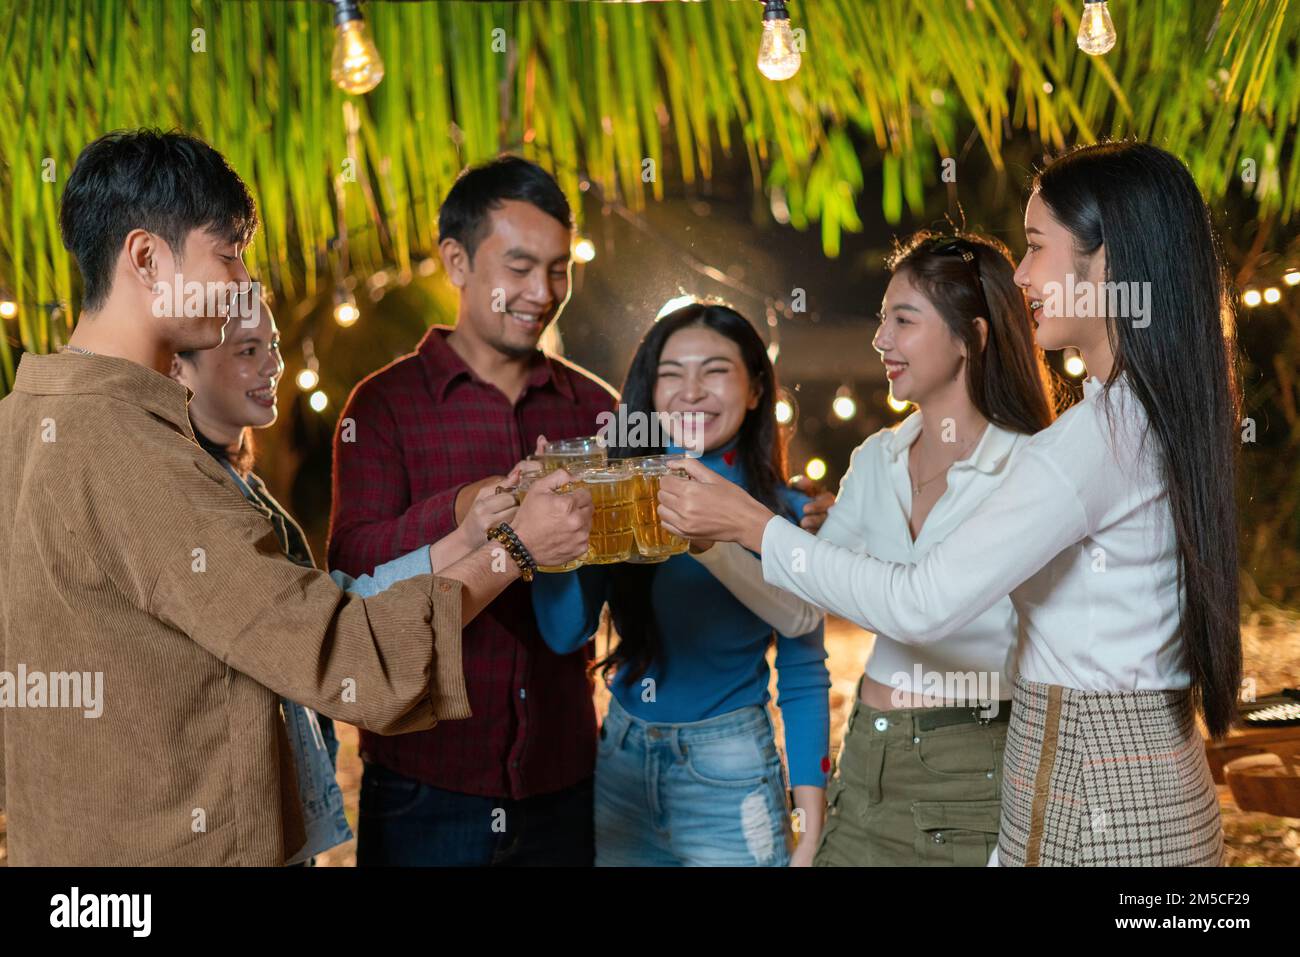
{"x":128,"y":558}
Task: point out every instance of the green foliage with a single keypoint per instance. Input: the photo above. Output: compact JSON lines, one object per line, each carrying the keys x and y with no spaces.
{"x":596,"y":89}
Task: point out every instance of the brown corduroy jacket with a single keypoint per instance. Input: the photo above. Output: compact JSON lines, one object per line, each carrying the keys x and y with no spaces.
{"x":126,"y":552}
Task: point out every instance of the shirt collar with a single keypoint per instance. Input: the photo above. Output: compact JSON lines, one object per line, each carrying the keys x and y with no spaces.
{"x":445,"y":366}
{"x":1092,"y":386}
{"x":75,"y":373}
{"x":989,"y":453}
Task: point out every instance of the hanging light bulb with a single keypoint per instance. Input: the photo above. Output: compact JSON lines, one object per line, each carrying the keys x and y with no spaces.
{"x":784,"y":412}
{"x":1292,"y":277}
{"x":1096,"y":28}
{"x":318,"y":401}
{"x":898,"y":405}
{"x":308,"y":379}
{"x":8,"y":308}
{"x":1074,"y":365}
{"x":1251,"y":298}
{"x":815,"y":469}
{"x":584,"y":250}
{"x":777,"y":57}
{"x":356,"y":66}
{"x":345,"y":308}
{"x":672,"y":305}
{"x":1272,"y":295}
{"x":843,"y":405}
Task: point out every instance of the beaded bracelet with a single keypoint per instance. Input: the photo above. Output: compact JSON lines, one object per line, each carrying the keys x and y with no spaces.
{"x":504,"y":534}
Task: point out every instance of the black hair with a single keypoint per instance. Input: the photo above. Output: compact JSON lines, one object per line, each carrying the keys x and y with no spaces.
{"x":1142,"y":203}
{"x":1007,"y":378}
{"x":760,"y":454}
{"x":480,"y":189}
{"x":168,"y":183}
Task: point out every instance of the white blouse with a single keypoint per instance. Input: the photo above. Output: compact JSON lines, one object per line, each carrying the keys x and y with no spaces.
{"x":871,"y":515}
{"x":1079,"y":534}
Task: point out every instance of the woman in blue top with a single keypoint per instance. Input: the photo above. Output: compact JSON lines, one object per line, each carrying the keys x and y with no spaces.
{"x":687,"y":770}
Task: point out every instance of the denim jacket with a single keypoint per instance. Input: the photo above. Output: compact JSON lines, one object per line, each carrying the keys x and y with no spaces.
{"x":311,"y":736}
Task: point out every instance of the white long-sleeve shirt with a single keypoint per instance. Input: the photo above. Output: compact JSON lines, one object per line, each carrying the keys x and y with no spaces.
{"x":1079,"y":534}
{"x":871,"y":515}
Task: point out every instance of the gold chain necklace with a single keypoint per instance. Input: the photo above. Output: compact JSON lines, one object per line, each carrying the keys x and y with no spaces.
{"x":917,"y":486}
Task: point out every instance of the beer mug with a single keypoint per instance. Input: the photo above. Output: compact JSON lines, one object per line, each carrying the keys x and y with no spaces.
{"x":574,"y":455}
{"x":525,"y":481}
{"x":613,"y":515}
{"x":653,"y":541}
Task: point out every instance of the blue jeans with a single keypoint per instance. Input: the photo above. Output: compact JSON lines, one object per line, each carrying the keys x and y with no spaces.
{"x":407,"y":823}
{"x":706,"y":793}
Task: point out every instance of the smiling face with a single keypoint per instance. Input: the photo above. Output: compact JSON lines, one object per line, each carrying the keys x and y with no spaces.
{"x":210,"y":261}
{"x":518,"y":281}
{"x":921,"y":355}
{"x":702,"y":371}
{"x":234,"y":384}
{"x":1051,"y":257}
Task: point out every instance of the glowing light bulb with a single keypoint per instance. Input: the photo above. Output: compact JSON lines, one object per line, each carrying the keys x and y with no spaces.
{"x":815,"y":469}
{"x":1272,"y":295}
{"x":584,"y":250}
{"x":345,"y":308}
{"x":898,"y":405}
{"x":777,"y":57}
{"x":784,"y":412}
{"x":8,"y":308}
{"x":1251,"y":298}
{"x":308,"y":380}
{"x":843,"y":405}
{"x":318,"y":401}
{"x":1074,"y":365}
{"x":1096,"y":29}
{"x":356,"y":66}
{"x":672,"y":305}
{"x":1292,"y":278}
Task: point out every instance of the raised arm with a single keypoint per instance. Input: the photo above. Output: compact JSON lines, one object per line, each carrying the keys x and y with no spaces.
{"x":741,"y":572}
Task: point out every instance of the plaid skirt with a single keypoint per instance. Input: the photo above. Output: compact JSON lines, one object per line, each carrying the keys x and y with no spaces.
{"x":1106,"y":778}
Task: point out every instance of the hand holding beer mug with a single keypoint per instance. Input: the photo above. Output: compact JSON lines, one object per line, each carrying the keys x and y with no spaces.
{"x":613,"y":515}
{"x":710,"y":507}
{"x":491,"y":506}
{"x":653,"y":542}
{"x":554,"y":519}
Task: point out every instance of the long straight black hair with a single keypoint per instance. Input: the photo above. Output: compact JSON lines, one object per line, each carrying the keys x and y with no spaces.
{"x":1143,"y":205}
{"x":760,"y":452}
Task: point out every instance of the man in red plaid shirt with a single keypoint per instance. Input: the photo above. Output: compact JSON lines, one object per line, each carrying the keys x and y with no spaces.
{"x":417,"y":441}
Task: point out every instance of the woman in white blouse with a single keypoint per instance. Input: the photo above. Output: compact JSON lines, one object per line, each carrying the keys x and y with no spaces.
{"x":1114,"y":530}
{"x":920,"y":770}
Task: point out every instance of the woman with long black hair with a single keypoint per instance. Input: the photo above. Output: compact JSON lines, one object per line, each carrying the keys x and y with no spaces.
{"x":687,"y":770}
{"x":1114,"y":533}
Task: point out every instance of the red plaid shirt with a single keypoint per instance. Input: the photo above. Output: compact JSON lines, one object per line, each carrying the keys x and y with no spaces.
{"x":425,"y":427}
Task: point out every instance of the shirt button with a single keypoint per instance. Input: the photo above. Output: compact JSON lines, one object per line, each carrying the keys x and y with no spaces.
{"x":522,"y":695}
{"x":938,"y":837}
{"x":988,"y":774}
{"x":882,"y":724}
{"x":916,"y":740}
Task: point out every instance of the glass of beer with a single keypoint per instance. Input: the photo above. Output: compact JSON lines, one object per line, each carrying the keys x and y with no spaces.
{"x":520,"y":490}
{"x":653,"y":541}
{"x":613,"y":515}
{"x":575,"y":455}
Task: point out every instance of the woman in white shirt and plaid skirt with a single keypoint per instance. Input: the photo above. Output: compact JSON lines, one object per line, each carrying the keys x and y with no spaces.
{"x":1114,"y":531}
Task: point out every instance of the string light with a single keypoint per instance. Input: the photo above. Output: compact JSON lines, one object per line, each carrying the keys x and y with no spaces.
{"x":584,"y":250}
{"x":784,"y":412}
{"x":8,"y":308}
{"x":1292,"y":277}
{"x":1074,"y":365}
{"x":356,"y":66}
{"x":672,"y":305}
{"x":318,"y":401}
{"x":1096,"y":29}
{"x":1272,"y":295}
{"x":1251,"y":298}
{"x":345,"y":308}
{"x":898,"y":405}
{"x":778,"y":59}
{"x":815,"y":469}
{"x":843,"y":405}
